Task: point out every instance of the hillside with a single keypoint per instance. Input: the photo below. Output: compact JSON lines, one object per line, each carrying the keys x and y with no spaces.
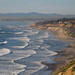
{"x":68,"y":69}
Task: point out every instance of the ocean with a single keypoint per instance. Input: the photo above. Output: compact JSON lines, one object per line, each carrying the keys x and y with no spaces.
{"x":22,"y":49}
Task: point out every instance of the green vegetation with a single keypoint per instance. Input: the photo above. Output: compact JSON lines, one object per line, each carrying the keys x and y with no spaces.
{"x":73,"y":69}
{"x":63,"y":69}
{"x":67,"y":66}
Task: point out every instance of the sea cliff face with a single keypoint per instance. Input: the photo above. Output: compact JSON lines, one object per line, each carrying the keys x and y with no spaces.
{"x":68,"y":69}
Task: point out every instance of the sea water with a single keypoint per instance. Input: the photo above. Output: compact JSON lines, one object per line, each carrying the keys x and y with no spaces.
{"x":22,"y":49}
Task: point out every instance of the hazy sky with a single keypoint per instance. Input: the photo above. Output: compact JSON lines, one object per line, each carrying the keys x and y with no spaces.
{"x":43,"y":6}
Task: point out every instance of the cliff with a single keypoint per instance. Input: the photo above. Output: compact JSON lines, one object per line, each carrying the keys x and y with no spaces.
{"x":67,"y":26}
{"x":68,"y":69}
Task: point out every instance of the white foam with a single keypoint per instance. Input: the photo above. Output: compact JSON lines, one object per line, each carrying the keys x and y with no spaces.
{"x":30,"y":32}
{"x":53,"y":53}
{"x":25,"y":51}
{"x":20,"y":38}
{"x":19,"y":54}
{"x":18,"y":33}
{"x":20,"y":47}
{"x":11,"y":69}
{"x":34,"y":69}
{"x":25,"y":40}
{"x":4,"y":42}
{"x":46,"y":53}
{"x":34,"y":47}
{"x":43,"y":35}
{"x":23,"y":54}
{"x":4,"y":51}
{"x":14,"y":68}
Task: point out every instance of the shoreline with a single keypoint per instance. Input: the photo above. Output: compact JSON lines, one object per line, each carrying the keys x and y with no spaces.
{"x":64,"y":56}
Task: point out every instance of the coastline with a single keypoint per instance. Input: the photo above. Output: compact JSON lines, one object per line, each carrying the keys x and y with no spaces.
{"x":64,"y":56}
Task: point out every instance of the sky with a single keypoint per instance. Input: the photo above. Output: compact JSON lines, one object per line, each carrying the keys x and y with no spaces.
{"x":41,"y":6}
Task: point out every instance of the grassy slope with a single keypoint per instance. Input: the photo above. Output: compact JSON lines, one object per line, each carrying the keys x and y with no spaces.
{"x":68,"y":69}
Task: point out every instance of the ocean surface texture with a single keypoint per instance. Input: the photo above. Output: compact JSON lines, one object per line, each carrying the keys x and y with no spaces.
{"x":22,"y":49}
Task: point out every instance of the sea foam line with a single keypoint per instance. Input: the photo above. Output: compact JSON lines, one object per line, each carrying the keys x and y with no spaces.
{"x":3,"y":42}
{"x":4,"y":51}
{"x":15,"y":68}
